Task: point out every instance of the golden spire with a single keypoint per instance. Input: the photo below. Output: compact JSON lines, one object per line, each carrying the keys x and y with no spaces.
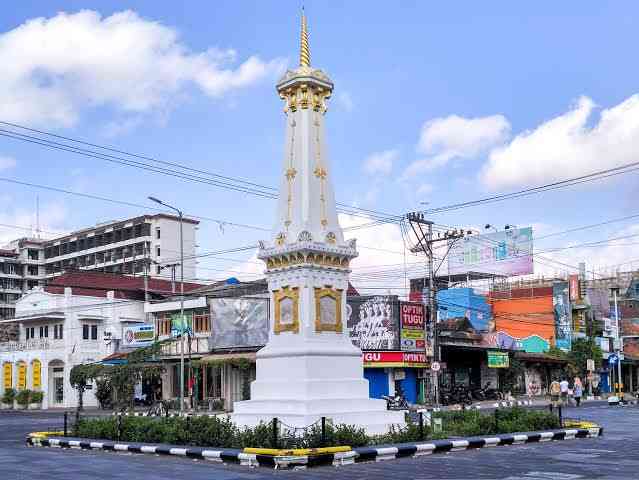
{"x":305,"y":52}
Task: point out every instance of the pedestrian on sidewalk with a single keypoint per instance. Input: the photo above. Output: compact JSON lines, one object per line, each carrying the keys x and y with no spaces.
{"x":555,"y":392}
{"x":564,"y":387}
{"x":578,"y":390}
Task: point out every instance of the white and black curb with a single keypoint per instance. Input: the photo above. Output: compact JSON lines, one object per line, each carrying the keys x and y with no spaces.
{"x":379,"y":454}
{"x":357,"y":455}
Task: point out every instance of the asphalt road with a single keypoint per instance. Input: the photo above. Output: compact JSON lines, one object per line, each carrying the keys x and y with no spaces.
{"x":613,"y":456}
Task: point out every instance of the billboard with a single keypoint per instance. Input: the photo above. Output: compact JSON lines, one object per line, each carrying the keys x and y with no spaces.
{"x":574,"y":287}
{"x":138,"y":335}
{"x":501,"y":253}
{"x":239,"y":322}
{"x":563,"y":315}
{"x":412,"y":324}
{"x":373,"y":322}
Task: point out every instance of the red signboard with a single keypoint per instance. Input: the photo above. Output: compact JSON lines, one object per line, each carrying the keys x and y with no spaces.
{"x":394,"y":359}
{"x":411,"y":316}
{"x":574,"y":287}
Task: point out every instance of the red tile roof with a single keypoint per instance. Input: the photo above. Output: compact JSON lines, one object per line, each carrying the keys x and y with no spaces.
{"x":124,"y":286}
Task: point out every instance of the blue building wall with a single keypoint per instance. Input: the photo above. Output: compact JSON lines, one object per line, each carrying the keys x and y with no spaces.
{"x":464,"y":302}
{"x":409,"y":385}
{"x":377,"y":382}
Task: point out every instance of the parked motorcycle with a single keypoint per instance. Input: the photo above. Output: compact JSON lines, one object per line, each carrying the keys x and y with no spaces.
{"x":492,"y":393}
{"x":395,"y":402}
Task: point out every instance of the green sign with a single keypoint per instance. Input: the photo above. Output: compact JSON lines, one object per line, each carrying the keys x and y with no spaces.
{"x":498,"y":360}
{"x":181,"y":324}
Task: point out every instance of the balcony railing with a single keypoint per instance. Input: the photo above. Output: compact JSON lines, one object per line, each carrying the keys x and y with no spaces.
{"x":36,"y":344}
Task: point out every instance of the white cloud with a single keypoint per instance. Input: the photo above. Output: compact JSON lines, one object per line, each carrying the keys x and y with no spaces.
{"x":380,"y":163}
{"x":51,"y":69}
{"x":454,"y":137}
{"x":16,"y":221}
{"x":346,"y":101}
{"x":424,"y":189}
{"x":567,"y":146}
{"x":7,"y":162}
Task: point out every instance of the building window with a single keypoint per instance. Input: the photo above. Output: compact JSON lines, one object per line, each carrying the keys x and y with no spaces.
{"x":94,"y":332}
{"x":157,"y":251}
{"x":57,"y":332}
{"x":201,"y":323}
{"x":157,"y":233}
{"x":158,"y":269}
{"x":163,"y":325}
{"x":85,"y":332}
{"x":27,"y":331}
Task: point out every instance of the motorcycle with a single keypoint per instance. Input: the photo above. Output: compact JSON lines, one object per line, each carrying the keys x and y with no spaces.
{"x":492,"y":393}
{"x":395,"y":402}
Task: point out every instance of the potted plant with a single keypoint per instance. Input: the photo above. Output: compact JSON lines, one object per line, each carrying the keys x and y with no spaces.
{"x":23,"y":398}
{"x":35,"y":402}
{"x":8,"y":398}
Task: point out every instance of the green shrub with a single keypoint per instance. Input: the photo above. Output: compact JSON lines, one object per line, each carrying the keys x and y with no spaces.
{"x":222,"y":432}
{"x":36,"y":397}
{"x":9,"y":396}
{"x":23,"y":397}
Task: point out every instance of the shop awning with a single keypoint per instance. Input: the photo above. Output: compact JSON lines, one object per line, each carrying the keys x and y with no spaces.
{"x":216,"y":357}
{"x":539,"y":358}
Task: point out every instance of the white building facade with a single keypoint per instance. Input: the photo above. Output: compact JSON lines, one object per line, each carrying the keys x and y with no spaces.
{"x":129,"y":247}
{"x":57,"y":332}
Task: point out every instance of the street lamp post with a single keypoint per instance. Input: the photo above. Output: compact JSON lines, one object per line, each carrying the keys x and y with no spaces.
{"x":180,"y":216}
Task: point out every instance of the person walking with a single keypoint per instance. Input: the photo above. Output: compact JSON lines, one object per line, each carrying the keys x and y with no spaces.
{"x":555,"y":391}
{"x":564,"y":387}
{"x":578,"y":390}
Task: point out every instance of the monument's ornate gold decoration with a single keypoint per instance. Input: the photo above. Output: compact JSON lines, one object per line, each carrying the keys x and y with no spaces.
{"x":287,"y":306}
{"x":328,"y":309}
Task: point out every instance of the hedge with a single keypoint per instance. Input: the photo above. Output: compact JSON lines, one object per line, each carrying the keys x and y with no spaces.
{"x":223,"y":433}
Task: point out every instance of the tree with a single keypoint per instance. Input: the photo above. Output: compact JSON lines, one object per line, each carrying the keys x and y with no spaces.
{"x":582,"y":350}
{"x":80,"y":376}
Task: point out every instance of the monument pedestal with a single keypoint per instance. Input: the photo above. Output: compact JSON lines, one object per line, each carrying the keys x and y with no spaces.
{"x":303,"y":382}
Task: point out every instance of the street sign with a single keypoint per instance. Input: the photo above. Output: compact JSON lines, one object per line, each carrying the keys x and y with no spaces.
{"x":613,"y":359}
{"x":435,"y":366}
{"x":590,"y":365}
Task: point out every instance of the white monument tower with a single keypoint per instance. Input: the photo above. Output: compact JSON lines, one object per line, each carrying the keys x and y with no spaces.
{"x":309,"y":368}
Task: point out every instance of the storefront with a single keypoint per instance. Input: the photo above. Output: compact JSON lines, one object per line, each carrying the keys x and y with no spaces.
{"x":387,"y":371}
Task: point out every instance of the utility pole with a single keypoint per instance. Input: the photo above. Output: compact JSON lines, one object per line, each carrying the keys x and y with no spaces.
{"x":425,"y":241}
{"x":618,"y":346}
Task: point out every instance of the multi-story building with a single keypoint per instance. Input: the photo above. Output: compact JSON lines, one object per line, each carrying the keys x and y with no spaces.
{"x":125,"y":247}
{"x":76,"y":318}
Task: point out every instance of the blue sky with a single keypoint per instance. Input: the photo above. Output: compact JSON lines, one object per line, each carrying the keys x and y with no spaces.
{"x":438,"y":102}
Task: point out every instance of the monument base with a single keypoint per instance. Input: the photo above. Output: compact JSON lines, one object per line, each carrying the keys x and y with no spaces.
{"x":300,"y":384}
{"x":370,"y":415}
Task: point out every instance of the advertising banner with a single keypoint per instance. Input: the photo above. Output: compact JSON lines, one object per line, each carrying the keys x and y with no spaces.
{"x":373,"y":322}
{"x":138,"y":335}
{"x":394,"y":359}
{"x":181,"y":324}
{"x":501,"y":253}
{"x":563,"y":315}
{"x":573,"y":280}
{"x":239,"y":322}
{"x":412,"y":322}
{"x":498,"y":360}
